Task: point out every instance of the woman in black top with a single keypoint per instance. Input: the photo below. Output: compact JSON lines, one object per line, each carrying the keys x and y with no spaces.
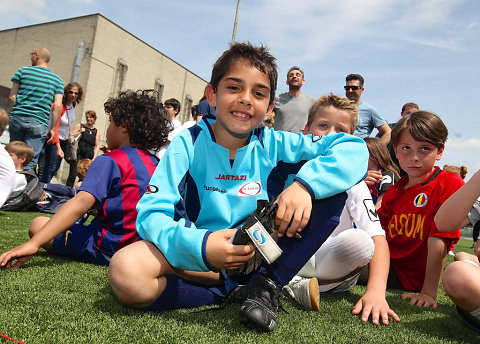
{"x":88,"y":144}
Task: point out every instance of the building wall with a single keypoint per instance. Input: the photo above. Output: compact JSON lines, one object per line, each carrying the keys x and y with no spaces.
{"x":104,"y":43}
{"x":145,"y":65}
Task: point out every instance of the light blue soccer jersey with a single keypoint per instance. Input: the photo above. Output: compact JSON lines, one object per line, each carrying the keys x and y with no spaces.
{"x":195,"y":189}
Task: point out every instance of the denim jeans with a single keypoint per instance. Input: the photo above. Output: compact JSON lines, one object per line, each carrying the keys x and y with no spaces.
{"x":30,"y":131}
{"x":49,"y":162}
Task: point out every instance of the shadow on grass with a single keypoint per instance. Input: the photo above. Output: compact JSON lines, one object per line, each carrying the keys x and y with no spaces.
{"x":210,"y":316}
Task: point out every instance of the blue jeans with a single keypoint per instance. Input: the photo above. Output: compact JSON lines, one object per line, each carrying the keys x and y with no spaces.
{"x":30,"y":131}
{"x":49,"y":162}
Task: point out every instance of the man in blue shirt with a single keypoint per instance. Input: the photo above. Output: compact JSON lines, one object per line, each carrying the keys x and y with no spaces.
{"x":369,"y":117}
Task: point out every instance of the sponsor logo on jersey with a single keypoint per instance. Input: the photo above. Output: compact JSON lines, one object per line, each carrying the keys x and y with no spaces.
{"x":250,"y":189}
{"x":420,"y":200}
{"x":370,"y":209}
{"x":259,"y":237}
{"x":151,"y":189}
{"x":231,"y":177}
{"x":408,"y":225}
{"x":66,"y":236}
{"x":214,"y":188}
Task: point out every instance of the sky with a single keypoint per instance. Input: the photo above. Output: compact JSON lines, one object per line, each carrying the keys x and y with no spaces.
{"x":422,"y":51}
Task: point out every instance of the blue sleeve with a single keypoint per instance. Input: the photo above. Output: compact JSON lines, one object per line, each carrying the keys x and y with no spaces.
{"x":102,"y":177}
{"x":377,"y":118}
{"x":160,"y":219}
{"x":334,"y":163}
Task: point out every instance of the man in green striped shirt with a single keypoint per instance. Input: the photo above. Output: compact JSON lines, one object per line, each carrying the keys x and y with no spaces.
{"x":33,"y":91}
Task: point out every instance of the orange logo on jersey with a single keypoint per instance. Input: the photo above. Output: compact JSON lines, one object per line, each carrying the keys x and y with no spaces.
{"x":410,"y":225}
{"x":66,"y":236}
{"x":420,"y":200}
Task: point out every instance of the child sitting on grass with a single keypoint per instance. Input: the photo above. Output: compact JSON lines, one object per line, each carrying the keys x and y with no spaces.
{"x":82,"y":168}
{"x":21,"y":154}
{"x":347,"y":250}
{"x":114,"y":183}
{"x":210,"y":180}
{"x":417,"y":249}
{"x":7,"y":168}
{"x":461,"y":279}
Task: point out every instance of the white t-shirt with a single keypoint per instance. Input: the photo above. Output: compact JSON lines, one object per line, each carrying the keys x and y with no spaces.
{"x":7,"y":175}
{"x":177,"y":127}
{"x":65,"y":122}
{"x":19,"y":186}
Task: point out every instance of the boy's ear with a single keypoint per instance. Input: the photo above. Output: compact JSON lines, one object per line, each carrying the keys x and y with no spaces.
{"x":211,"y":96}
{"x":440,"y":153}
{"x":395,"y":150}
{"x":306,"y":130}
{"x":22,"y":159}
{"x":270,"y":108}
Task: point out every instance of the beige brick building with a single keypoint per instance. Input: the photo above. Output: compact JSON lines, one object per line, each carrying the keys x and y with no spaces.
{"x":103,"y":58}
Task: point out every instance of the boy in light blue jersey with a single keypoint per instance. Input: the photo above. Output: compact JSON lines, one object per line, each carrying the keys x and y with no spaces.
{"x":208,"y":183}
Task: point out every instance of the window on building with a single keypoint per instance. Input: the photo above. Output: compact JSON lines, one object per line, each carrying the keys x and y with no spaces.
{"x":120,"y":76}
{"x":158,"y":87}
{"x":187,"y":109}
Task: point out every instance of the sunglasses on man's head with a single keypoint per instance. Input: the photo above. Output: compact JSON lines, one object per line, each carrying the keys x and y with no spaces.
{"x":354,"y":88}
{"x":72,"y":92}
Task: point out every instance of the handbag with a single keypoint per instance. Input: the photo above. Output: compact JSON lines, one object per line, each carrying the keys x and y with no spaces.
{"x":70,"y":154}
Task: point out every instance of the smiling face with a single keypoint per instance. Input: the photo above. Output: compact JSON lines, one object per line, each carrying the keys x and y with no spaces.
{"x":416,"y":158}
{"x":328,"y":119}
{"x":295,"y":78}
{"x":242,"y":99}
{"x":90,"y":120}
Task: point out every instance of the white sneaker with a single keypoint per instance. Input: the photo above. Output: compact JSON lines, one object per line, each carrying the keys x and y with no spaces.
{"x":451,"y":253}
{"x":304,"y":291}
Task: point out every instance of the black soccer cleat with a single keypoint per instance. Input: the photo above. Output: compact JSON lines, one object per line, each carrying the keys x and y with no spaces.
{"x":259,"y":310}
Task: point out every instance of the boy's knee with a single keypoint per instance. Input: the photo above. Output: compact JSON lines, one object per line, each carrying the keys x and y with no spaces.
{"x":119,"y":276}
{"x":36,"y":224}
{"x":454,"y":277}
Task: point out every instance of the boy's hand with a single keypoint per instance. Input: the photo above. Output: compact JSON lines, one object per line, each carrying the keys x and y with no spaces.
{"x":222,"y":254}
{"x":375,"y":305}
{"x":373,"y":177}
{"x":421,"y":300}
{"x":294,"y":208}
{"x":20,"y":253}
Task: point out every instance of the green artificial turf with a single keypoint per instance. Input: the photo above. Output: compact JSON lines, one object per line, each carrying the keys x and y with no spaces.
{"x":57,"y":300}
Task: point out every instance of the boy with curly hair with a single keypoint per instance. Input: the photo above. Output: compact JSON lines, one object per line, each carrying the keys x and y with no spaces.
{"x":113,"y":184}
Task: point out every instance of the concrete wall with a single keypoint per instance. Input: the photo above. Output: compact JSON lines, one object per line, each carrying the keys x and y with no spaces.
{"x":104,"y":43}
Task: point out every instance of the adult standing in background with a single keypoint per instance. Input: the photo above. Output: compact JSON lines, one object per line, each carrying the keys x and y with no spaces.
{"x":34,"y":89}
{"x":407,"y":110}
{"x":369,"y":117}
{"x":53,"y":150}
{"x":291,"y":108}
{"x":88,"y":144}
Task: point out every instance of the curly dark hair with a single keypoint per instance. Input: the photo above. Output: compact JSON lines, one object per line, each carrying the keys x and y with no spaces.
{"x":144,"y":117}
